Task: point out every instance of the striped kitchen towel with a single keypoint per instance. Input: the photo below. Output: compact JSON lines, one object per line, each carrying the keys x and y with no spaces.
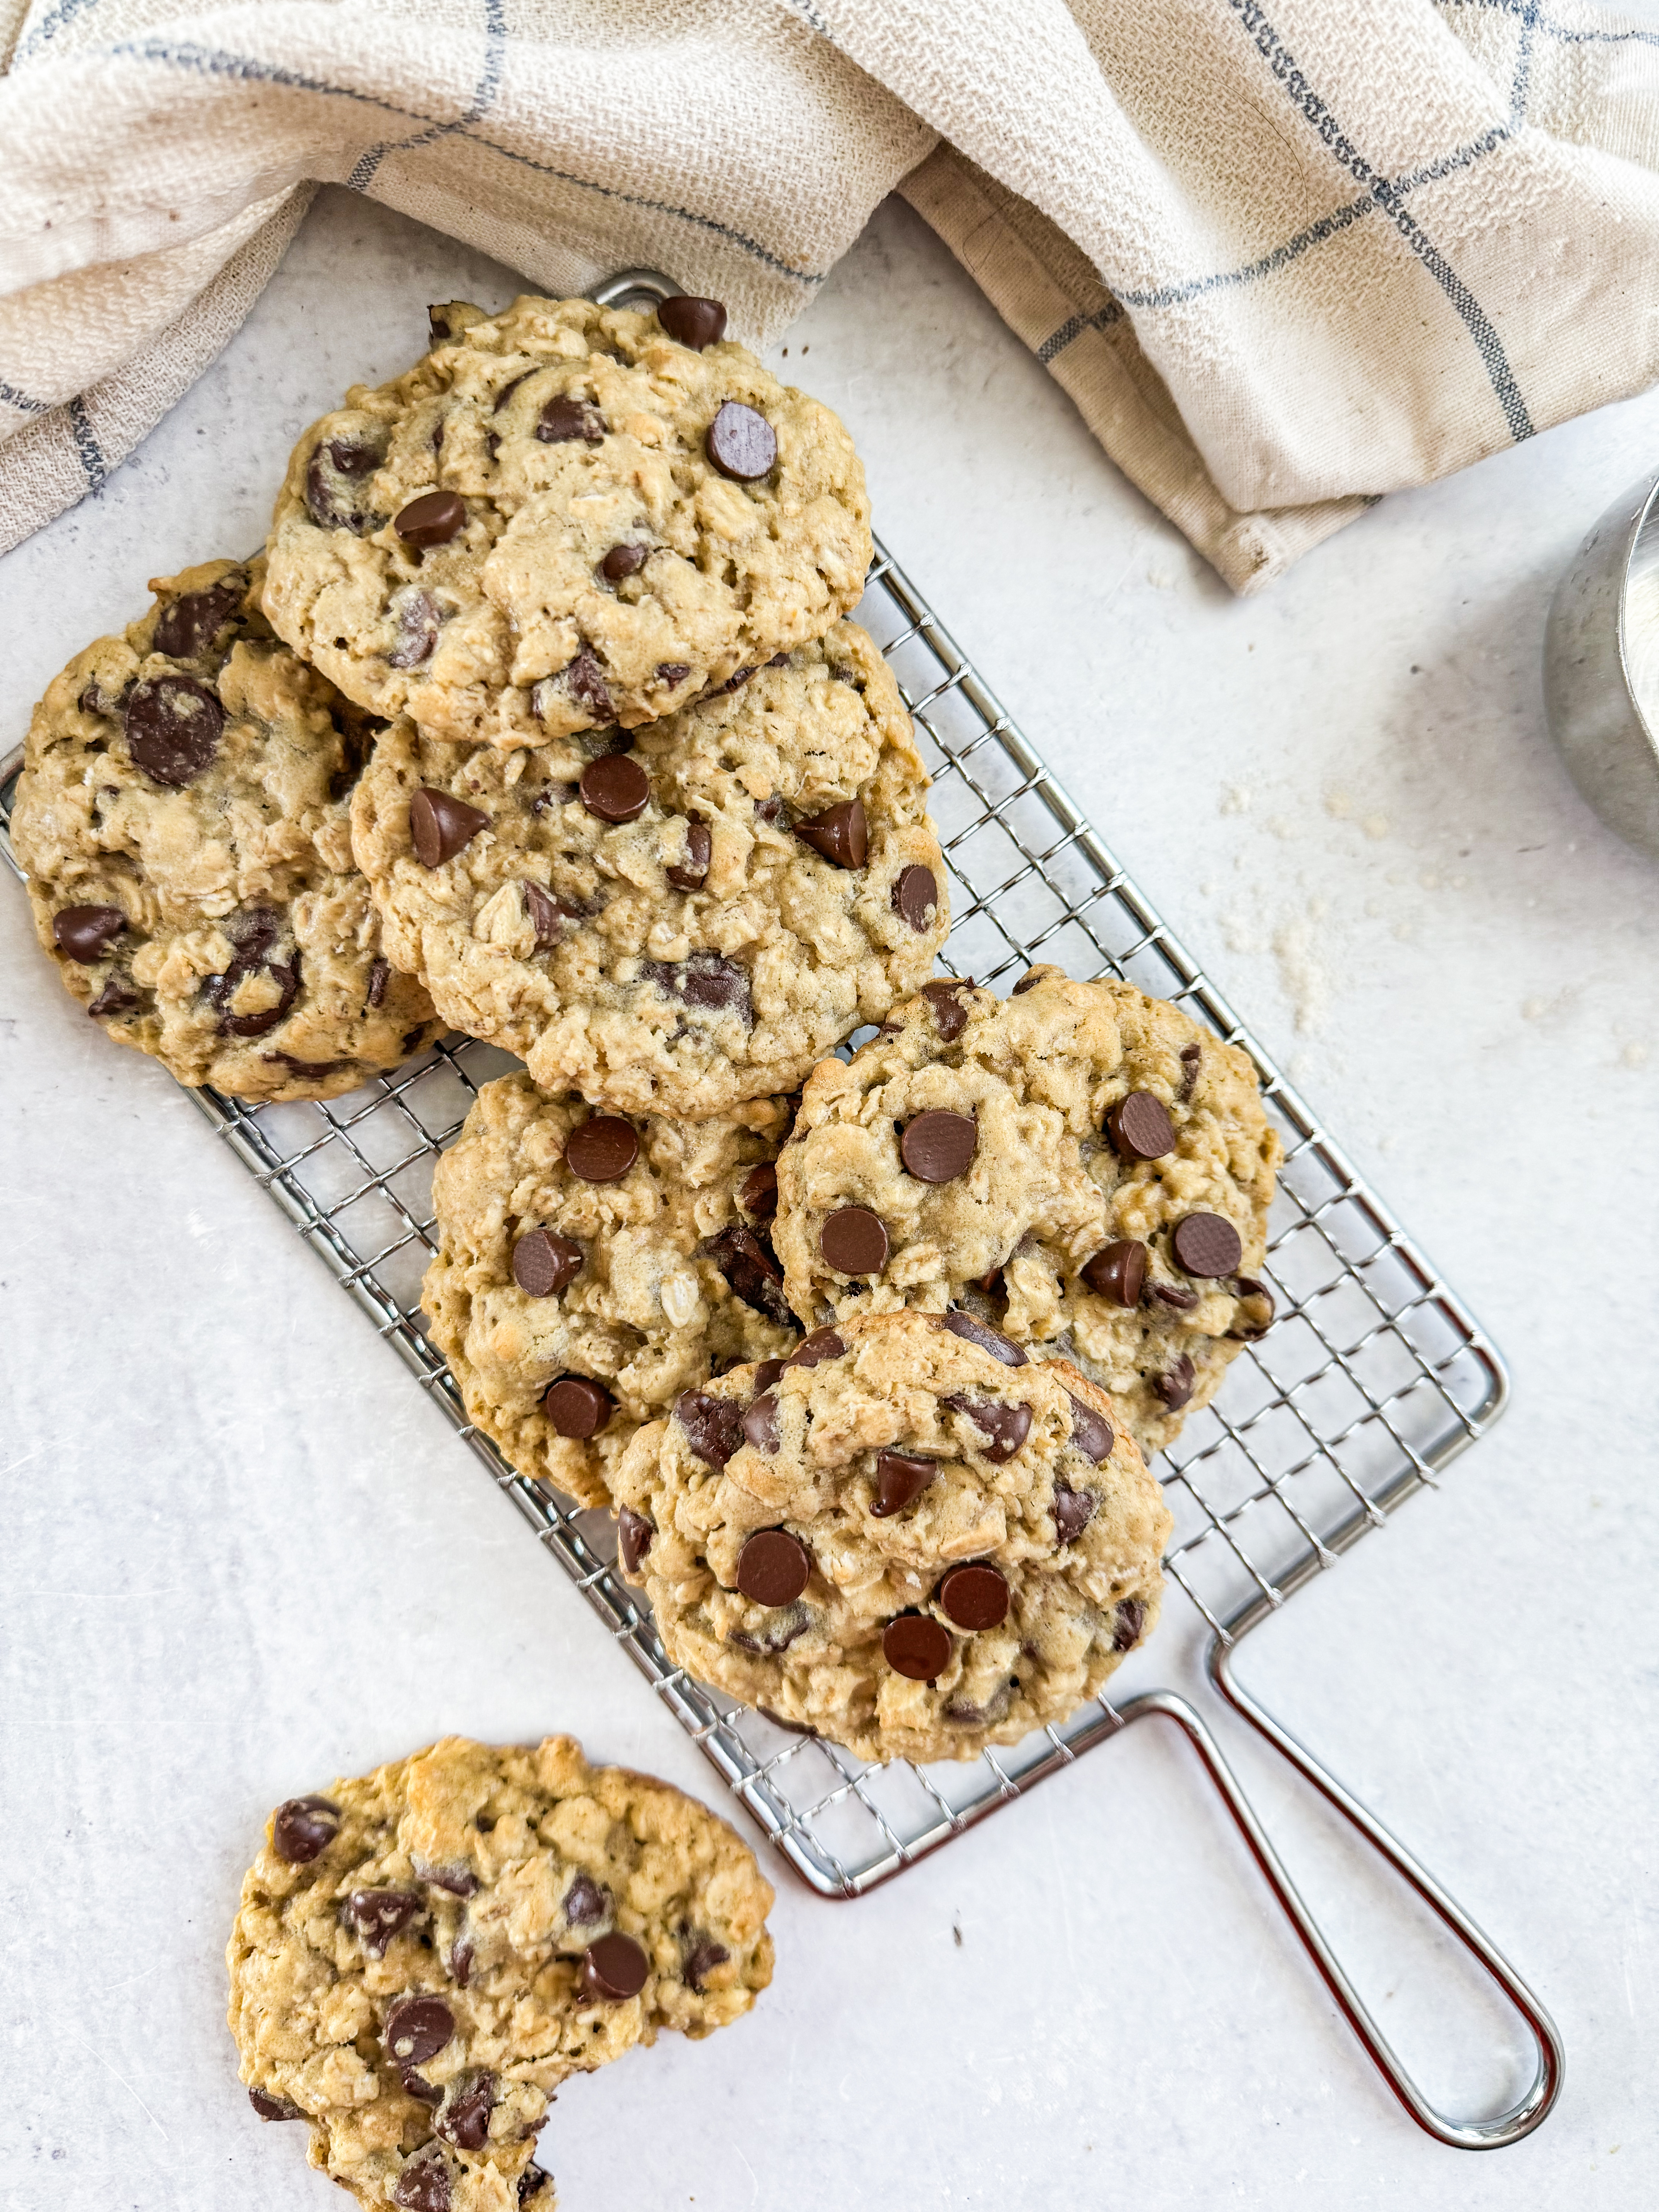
{"x":1284,"y":259}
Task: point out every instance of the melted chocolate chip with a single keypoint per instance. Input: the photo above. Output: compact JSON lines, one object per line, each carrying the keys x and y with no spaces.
{"x":671,"y":674}
{"x":853,"y":1242}
{"x":759,"y":1193}
{"x":915,"y":897}
{"x":303,"y":1827}
{"x":1131,"y":1619}
{"x":901,"y":1478}
{"x":1191,"y":1056}
{"x":767,"y":1372}
{"x":335,"y":483}
{"x":711,"y":1425}
{"x":1073,"y":1511}
{"x":254,"y":932}
{"x":419,"y":2088}
{"x":841,"y":833}
{"x":544,"y":1264}
{"x":1140,"y":1127}
{"x":690,"y":873}
{"x":417,"y":2028}
{"x":460,"y":1880}
{"x":423,"y":2184}
{"x":1003,"y":1426}
{"x":419,"y":621}
{"x":1175,"y":1296}
{"x":545,"y":914}
{"x":379,"y":974}
{"x":624,"y":560}
{"x":1174,"y":1386}
{"x":562,"y":421}
{"x":601,"y":1148}
{"x":188,"y":625}
{"x":1118,"y":1271}
{"x":702,"y":1955}
{"x":273,"y":2108}
{"x":976,"y":1596}
{"x":751,"y":1272}
{"x":585,"y":1902}
{"x":439,"y":825}
{"x":1257,"y":1322}
{"x":783,"y":1625}
{"x":432,"y":520}
{"x":577,"y":1406}
{"x":693,"y":322}
{"x":86,"y":933}
{"x":822,"y":1344}
{"x":464,"y":2119}
{"x":378,"y":1915}
{"x":917,"y":1646}
{"x":173,"y":728}
{"x":708,"y":980}
{"x":1028,"y":981}
{"x":1091,"y":1432}
{"x":974,"y":1331}
{"x":1207,"y":1245}
{"x":634,"y":1534}
{"x":773,"y":1567}
{"x":945,"y":995}
{"x":760,"y":1424}
{"x":742,"y":444}
{"x":532,"y":2182}
{"x":584,"y":679}
{"x":937,"y":1147}
{"x":614,"y":1968}
{"x":460,"y":1960}
{"x":116,"y":997}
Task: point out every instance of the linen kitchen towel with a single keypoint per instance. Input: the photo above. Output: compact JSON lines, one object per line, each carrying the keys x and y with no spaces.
{"x":1285,"y":258}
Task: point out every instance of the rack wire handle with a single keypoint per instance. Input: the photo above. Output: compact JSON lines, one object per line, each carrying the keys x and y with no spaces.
{"x":1506,"y":2127}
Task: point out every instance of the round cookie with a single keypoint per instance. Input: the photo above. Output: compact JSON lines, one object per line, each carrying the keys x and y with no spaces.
{"x":1079,"y":1164}
{"x":688,"y":923}
{"x":422,"y":1955}
{"x":182,"y":818}
{"x":571,"y":1309}
{"x":898,"y":1538}
{"x":562,"y":517}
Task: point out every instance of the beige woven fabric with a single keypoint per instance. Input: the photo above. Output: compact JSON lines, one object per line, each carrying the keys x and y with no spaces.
{"x":1284,"y":259}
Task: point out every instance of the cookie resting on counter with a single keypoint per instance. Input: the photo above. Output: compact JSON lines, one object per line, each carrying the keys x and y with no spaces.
{"x":590,"y":1269}
{"x":690,"y":922}
{"x":182,"y":818}
{"x":422,"y":1955}
{"x":897,"y":1538}
{"x":1081,"y":1166}
{"x":565,"y":516}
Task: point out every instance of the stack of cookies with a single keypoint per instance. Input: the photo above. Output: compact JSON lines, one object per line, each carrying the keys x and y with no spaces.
{"x":541,"y":717}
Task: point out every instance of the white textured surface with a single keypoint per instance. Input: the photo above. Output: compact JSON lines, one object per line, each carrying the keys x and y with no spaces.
{"x":241,"y":1555}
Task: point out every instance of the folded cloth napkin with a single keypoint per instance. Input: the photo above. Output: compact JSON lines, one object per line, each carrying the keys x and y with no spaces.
{"x":1284,"y":259}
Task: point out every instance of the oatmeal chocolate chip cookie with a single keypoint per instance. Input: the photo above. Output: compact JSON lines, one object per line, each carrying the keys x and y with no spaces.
{"x":1080,"y":1166}
{"x":684,"y":924}
{"x":590,"y":1269}
{"x":897,"y":1538}
{"x":422,"y":1956}
{"x":564,"y":517}
{"x":183,"y":818}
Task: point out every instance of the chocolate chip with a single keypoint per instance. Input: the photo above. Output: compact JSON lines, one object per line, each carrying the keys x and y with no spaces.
{"x":780,"y":1629}
{"x":937,"y":1147}
{"x":853,"y":1242}
{"x":379,"y":974}
{"x":532,"y":2182}
{"x":544,"y":914}
{"x":1004,"y":1427}
{"x":86,"y":933}
{"x":378,"y":1915}
{"x":577,"y":1406}
{"x":1207,"y":1245}
{"x":708,"y":980}
{"x":422,"y":2091}
{"x":601,"y":1148}
{"x":419,"y":621}
{"x":759,"y":1194}
{"x":759,"y":1425}
{"x":901,"y":1478}
{"x":417,"y":2028}
{"x":917,"y":1646}
{"x":460,"y":1960}
{"x":690,"y":873}
{"x":303,"y":1827}
{"x":1073,"y":1508}
{"x":1028,"y":981}
{"x":671,"y":674}
{"x":751,"y":1272}
{"x":254,"y":932}
{"x":634,"y":1534}
{"x":614,"y":1967}
{"x":188,"y":625}
{"x":564,"y":421}
{"x":440,"y":826}
{"x":767,"y":1372}
{"x":1140,"y":1127}
{"x":773,"y":1567}
{"x":582,"y":680}
{"x":313,"y":1070}
{"x":464,"y":2119}
{"x":1091,"y":1432}
{"x":544,"y":1263}
{"x":945,"y":995}
{"x":1118,"y":1271}
{"x":116,"y":997}
{"x":741,"y":444}
{"x":693,"y":322}
{"x":822,"y":1344}
{"x":624,"y":560}
{"x":615,"y":788}
{"x":1131,"y":1619}
{"x":975,"y":1595}
{"x":585,"y":1901}
{"x":1175,"y":1296}
{"x":460,"y":1880}
{"x":423,"y":2184}
{"x":915,"y":897}
{"x":273,"y":2108}
{"x":769,"y":811}
{"x":432,"y":520}
{"x":1174,"y":1386}
{"x":1191,"y":1056}
{"x":1257,"y":1323}
{"x":173,"y":728}
{"x":841,"y":833}
{"x":711,"y":1425}
{"x":972,"y":1330}
{"x":700,"y":1960}
{"x":335,"y":482}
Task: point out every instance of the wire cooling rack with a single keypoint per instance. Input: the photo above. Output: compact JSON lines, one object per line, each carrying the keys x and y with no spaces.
{"x":1373,"y":1378}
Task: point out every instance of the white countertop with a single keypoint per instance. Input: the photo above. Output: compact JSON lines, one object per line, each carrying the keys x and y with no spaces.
{"x":242,"y":1554}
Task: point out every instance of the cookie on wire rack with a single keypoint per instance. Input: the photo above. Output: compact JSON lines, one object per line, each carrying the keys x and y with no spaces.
{"x":683,"y":925}
{"x":897,"y":1538}
{"x":591,"y":1266}
{"x":1080,"y":1166}
{"x":182,"y":818}
{"x":565,"y":516}
{"x":423,"y":1954}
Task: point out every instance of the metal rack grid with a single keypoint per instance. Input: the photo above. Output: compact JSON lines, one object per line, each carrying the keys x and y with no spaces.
{"x":1373,"y":1377}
